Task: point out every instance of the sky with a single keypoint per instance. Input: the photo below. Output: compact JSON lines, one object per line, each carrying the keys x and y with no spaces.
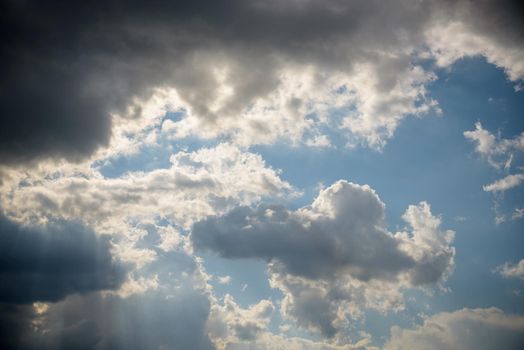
{"x":262,"y":174}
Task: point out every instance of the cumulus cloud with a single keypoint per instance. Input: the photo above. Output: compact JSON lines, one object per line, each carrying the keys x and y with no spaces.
{"x":196,"y":184}
{"x":228,"y":321}
{"x":232,"y":66}
{"x":468,"y":329}
{"x":486,"y":28}
{"x":231,"y":326}
{"x":47,"y":263}
{"x":334,"y":252}
{"x":509,"y":270}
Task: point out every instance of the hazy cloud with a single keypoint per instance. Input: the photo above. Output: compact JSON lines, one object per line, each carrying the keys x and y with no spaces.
{"x":505,"y":183}
{"x":467,"y":329}
{"x":49,"y":262}
{"x":509,"y":270}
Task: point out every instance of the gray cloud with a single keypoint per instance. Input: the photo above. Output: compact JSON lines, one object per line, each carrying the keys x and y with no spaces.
{"x":343,"y":232}
{"x":331,"y":246}
{"x":47,"y":263}
{"x":466,"y":329}
{"x":67,"y":67}
{"x":150,"y":321}
{"x":171,"y":313}
{"x":335,"y":256}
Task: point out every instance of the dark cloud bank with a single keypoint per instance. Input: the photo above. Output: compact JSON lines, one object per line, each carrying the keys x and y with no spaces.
{"x":67,"y":66}
{"x":149,"y":321}
{"x":66,"y":265}
{"x":47,"y":263}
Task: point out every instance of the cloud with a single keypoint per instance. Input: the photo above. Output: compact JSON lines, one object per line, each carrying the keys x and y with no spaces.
{"x":332,"y":234}
{"x":269,"y":341}
{"x":229,"y":321}
{"x":48,"y":263}
{"x":231,"y":326}
{"x":232,"y":65}
{"x":172,"y":313}
{"x":468,"y":329}
{"x":496,"y":150}
{"x":224,"y":279}
{"x":509,"y":270}
{"x":486,"y":28}
{"x":502,"y":154}
{"x":196,"y":184}
{"x":517,"y":214}
{"x":505,"y":183}
{"x":149,"y":321}
{"x":333,"y":252}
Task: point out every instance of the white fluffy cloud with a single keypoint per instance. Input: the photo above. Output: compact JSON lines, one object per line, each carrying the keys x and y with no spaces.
{"x":499,"y":152}
{"x":232,"y":327}
{"x":306,"y":97}
{"x":455,"y":40}
{"x":509,"y":270}
{"x":228,"y":321}
{"x":502,"y":154}
{"x":336,"y":256}
{"x":196,"y":184}
{"x":466,"y":329}
{"x":505,"y":183}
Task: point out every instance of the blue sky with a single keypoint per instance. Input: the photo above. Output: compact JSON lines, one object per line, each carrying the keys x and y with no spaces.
{"x":428,"y":159}
{"x":253,"y":175}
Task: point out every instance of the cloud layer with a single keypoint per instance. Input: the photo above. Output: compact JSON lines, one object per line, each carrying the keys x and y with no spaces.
{"x":250,"y":71}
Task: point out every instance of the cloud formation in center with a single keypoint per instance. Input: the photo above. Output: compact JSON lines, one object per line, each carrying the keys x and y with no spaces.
{"x":336,"y":250}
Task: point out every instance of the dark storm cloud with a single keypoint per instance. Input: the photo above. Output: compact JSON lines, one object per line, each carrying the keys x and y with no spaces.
{"x":168,"y":317}
{"x":67,"y":66}
{"x":151,"y":321}
{"x":15,"y":323}
{"x":48,"y":263}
